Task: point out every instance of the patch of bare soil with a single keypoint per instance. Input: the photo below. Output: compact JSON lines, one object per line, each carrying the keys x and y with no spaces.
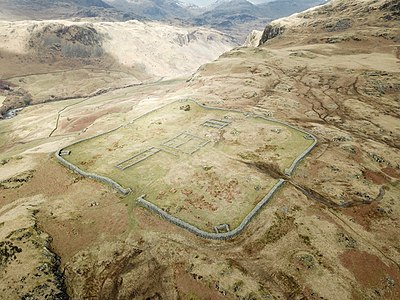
{"x":198,"y":201}
{"x":217,"y":188}
{"x":375,"y":177}
{"x":391,"y":172}
{"x":365,"y":214}
{"x":372,"y":273}
{"x":189,"y":287}
{"x":81,"y":122}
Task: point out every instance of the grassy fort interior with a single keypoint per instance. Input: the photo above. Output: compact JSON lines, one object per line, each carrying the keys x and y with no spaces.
{"x":204,"y":166}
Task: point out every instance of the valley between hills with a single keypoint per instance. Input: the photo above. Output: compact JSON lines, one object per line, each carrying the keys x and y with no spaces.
{"x":330,"y":232}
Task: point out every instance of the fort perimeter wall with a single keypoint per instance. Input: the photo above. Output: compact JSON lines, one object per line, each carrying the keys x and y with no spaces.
{"x":157,"y":210}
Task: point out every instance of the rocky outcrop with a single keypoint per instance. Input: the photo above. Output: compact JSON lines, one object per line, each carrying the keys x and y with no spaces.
{"x":270,"y":32}
{"x":236,"y":17}
{"x":185,"y":39}
{"x":46,"y":280}
{"x":338,"y":25}
{"x":70,"y":41}
{"x":392,"y":8}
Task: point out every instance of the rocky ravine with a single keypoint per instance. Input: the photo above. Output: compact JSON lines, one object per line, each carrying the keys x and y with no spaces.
{"x":22,"y":242}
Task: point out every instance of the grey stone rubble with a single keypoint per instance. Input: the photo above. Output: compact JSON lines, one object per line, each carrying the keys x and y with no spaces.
{"x":210,"y":235}
{"x":183,"y":138}
{"x":222,"y":228}
{"x":276,"y":130}
{"x":12,"y":113}
{"x":154,"y":208}
{"x":308,"y":137}
{"x":219,"y":124}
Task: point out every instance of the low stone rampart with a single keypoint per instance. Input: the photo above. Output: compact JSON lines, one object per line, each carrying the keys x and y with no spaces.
{"x":289,"y":171}
{"x":154,"y":208}
{"x":211,"y":235}
{"x":103,"y":179}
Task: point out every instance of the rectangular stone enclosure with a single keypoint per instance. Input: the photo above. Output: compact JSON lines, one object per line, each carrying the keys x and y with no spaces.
{"x":204,"y":166}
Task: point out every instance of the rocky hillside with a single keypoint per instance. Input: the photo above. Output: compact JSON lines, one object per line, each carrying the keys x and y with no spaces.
{"x":20,"y":241}
{"x":337,"y":17}
{"x":238,"y":17}
{"x":235,"y":17}
{"x":124,"y":53}
{"x":153,"y":10}
{"x":334,"y":71}
{"x":330,"y":233}
{"x":132,"y":44}
{"x":12,"y":10}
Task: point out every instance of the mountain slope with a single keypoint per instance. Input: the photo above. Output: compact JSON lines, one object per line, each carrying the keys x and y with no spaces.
{"x":281,"y":8}
{"x":152,"y":9}
{"x":122,"y":53}
{"x":330,"y":232}
{"x":41,"y":9}
{"x":333,"y":71}
{"x":331,"y":21}
{"x":238,"y":17}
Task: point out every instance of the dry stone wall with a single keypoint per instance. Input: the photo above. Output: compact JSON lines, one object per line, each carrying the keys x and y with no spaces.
{"x":157,"y":210}
{"x":75,"y":169}
{"x":211,"y":235}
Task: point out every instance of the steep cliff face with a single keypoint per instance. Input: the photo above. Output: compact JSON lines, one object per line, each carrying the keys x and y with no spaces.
{"x":270,"y":32}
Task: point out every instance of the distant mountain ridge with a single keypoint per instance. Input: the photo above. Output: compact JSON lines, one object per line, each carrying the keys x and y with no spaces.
{"x":12,"y":10}
{"x":152,"y":9}
{"x":235,"y":17}
{"x":279,"y":9}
